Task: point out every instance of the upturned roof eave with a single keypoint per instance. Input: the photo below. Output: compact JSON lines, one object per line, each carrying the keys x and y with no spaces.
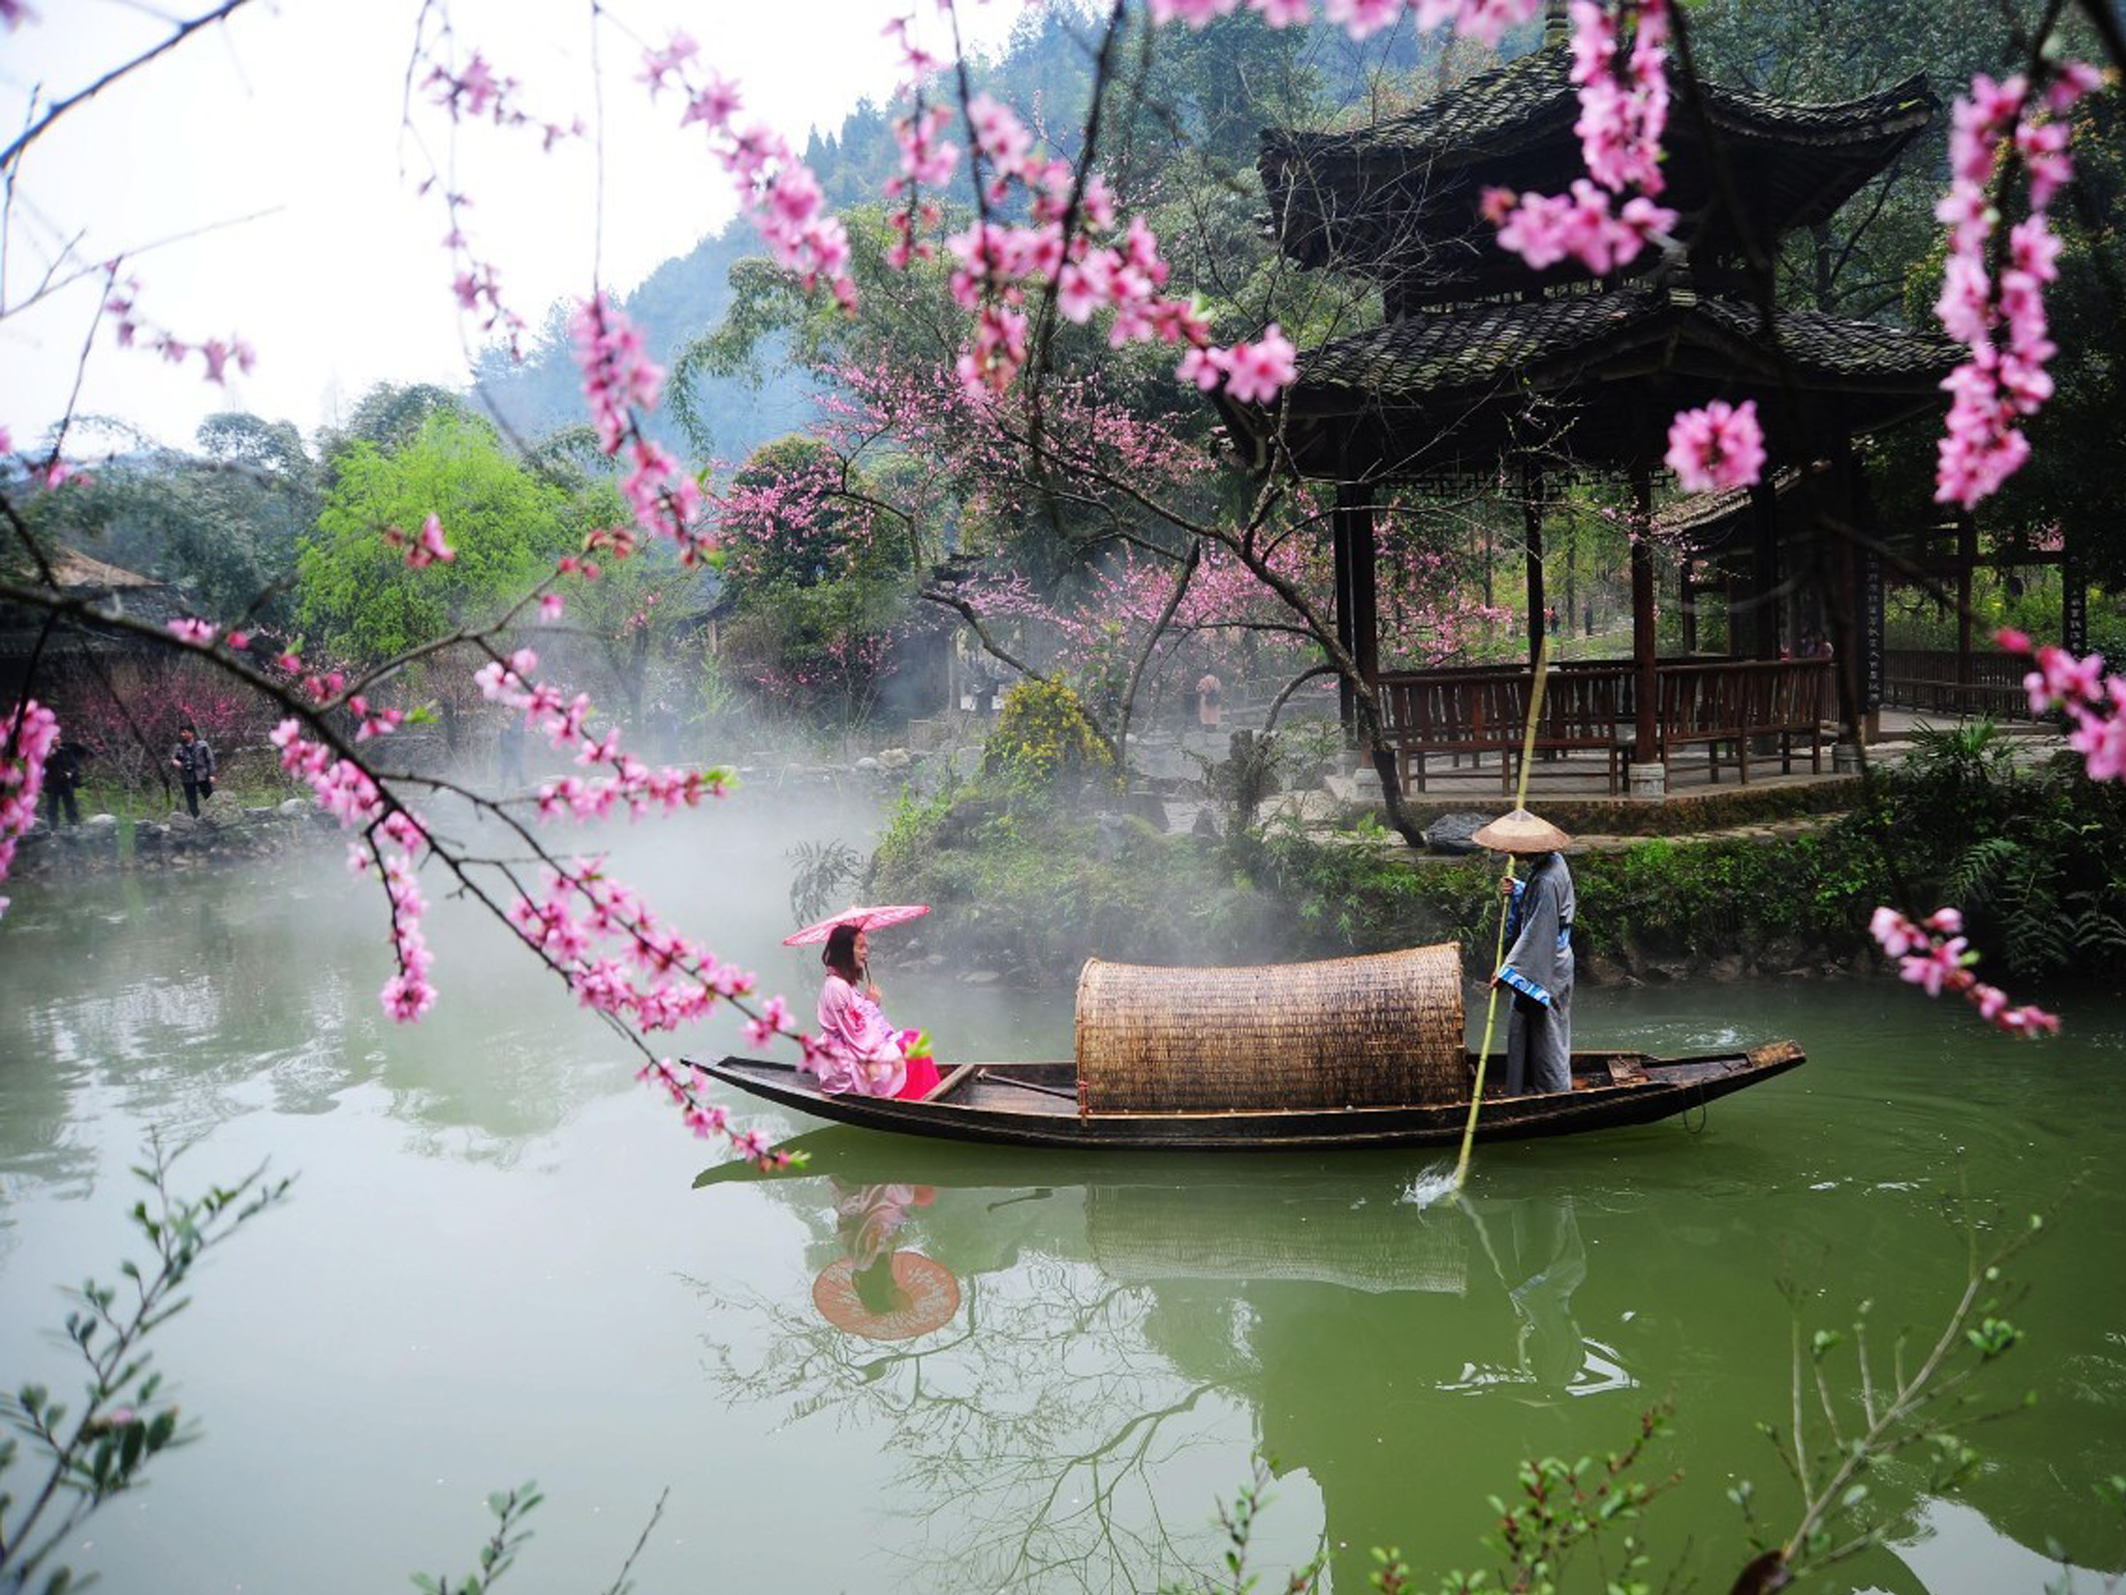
{"x":1647,"y":337}
{"x":1851,"y":140}
{"x":1894,"y":113}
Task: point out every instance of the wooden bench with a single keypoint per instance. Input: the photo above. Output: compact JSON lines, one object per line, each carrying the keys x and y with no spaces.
{"x":1791,"y":705}
{"x":1458,"y":713}
{"x":1735,"y":704}
{"x":1701,"y":704}
{"x":1472,"y":713}
{"x":1727,"y":706}
{"x":1588,"y":711}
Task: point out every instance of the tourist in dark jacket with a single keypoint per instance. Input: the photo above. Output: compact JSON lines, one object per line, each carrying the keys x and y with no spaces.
{"x":62,"y":779}
{"x":194,"y":760}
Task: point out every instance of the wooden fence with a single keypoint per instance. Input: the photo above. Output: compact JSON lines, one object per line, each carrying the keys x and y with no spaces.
{"x":1942,"y":680}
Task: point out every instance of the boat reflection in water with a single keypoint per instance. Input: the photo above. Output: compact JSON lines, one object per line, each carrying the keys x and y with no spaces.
{"x":1126,"y":1345}
{"x":1530,"y":1247}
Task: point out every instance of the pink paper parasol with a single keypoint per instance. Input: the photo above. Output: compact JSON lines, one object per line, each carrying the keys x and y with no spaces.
{"x":867,"y":919}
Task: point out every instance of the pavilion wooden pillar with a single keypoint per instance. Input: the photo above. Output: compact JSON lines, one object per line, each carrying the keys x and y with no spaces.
{"x":1365,"y":604}
{"x":1340,"y":561}
{"x":1353,"y":545}
{"x":1764,"y":572}
{"x":1966,"y":559}
{"x":1860,"y":653}
{"x":1687,"y":591}
{"x":1532,"y":546}
{"x":1874,"y":617}
{"x":1646,"y":741}
{"x":2074,"y":600}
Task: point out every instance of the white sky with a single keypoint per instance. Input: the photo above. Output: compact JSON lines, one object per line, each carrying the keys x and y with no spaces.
{"x":292,"y":107}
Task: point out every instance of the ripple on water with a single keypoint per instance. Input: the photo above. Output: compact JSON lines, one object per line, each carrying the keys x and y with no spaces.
{"x":492,"y":1191}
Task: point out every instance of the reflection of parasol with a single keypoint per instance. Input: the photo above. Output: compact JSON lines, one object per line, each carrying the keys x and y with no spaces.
{"x":862,"y":918}
{"x":902,"y":1295}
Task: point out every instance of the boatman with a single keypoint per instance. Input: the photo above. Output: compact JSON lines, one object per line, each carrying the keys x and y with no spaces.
{"x":1538,"y":963}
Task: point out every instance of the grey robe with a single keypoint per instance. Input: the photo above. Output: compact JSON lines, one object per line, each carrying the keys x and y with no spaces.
{"x":1538,"y":972}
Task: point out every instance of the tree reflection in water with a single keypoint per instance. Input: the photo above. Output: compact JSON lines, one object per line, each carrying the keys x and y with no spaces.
{"x":1125,"y":1344}
{"x":1027,"y":1462}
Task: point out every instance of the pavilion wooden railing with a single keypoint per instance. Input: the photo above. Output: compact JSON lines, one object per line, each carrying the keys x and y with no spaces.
{"x":1942,"y":680}
{"x":1590,"y":706}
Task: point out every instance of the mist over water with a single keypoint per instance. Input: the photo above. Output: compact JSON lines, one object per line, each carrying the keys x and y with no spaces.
{"x":495,"y":1267}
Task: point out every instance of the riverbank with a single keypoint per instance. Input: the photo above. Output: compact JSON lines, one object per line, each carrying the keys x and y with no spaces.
{"x":229,"y":827}
{"x":1027,"y":883}
{"x":260,"y":814}
{"x":1026,"y":898}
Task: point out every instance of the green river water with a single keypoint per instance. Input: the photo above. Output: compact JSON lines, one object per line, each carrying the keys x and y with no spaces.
{"x":495,"y":1267}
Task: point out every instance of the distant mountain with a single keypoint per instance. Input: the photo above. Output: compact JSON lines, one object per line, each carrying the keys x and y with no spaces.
{"x":1209,"y":80}
{"x":675,"y":304}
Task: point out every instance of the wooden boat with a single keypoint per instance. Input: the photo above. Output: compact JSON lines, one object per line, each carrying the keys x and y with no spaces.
{"x":1036,"y":1104}
{"x":1341,"y":1053}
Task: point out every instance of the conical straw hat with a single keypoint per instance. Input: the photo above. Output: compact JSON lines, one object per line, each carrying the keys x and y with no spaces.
{"x":1521,"y":832}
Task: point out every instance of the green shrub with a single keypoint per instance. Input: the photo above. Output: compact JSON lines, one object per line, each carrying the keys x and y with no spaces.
{"x":2038,"y":863}
{"x":1042,"y":736}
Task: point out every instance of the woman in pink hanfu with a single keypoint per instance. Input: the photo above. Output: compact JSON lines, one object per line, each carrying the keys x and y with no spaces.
{"x":857,"y":1049}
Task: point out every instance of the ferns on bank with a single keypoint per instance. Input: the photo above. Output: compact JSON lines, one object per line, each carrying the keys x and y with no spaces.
{"x":2042,"y":876}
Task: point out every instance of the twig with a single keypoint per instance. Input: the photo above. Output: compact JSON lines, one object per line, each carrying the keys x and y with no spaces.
{"x":620,"y":1584}
{"x":12,"y":155}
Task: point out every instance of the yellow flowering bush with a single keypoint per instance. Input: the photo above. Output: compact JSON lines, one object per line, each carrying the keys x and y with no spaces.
{"x":1043,"y":735}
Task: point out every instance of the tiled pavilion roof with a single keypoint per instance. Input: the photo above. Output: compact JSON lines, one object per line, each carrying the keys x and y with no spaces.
{"x":1397,"y":199}
{"x":1592,"y":377}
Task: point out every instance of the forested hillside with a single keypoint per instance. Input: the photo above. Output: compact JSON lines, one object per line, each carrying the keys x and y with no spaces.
{"x":1221,"y":85}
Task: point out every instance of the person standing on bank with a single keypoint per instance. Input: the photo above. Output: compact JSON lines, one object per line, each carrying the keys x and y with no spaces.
{"x":1209,"y":693}
{"x":194,"y":761}
{"x":1537,"y":968}
{"x":62,"y":780}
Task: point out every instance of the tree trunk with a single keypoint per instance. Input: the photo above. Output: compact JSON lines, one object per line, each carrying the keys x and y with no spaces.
{"x":1136,"y":674}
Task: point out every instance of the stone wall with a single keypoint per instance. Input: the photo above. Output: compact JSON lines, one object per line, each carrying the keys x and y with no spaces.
{"x":226,"y":828}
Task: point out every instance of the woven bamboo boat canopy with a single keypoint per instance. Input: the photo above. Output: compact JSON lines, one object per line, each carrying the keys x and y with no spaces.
{"x":1384,"y":1030}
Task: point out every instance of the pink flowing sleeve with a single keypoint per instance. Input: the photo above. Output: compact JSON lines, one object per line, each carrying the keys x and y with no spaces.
{"x":858,"y":1050}
{"x":838,"y":1023}
{"x":849,"y":1018}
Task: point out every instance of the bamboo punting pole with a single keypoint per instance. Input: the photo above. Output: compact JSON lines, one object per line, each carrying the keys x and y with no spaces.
{"x":1491,"y":1006}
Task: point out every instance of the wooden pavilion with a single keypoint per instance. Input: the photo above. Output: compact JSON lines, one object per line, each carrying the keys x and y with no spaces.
{"x":1716,"y":530}
{"x":1484,"y":369}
